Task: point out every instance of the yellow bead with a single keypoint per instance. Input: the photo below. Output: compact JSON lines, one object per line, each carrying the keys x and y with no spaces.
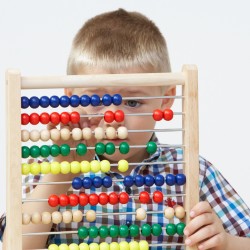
{"x":105,"y":166}
{"x":65,"y":167}
{"x":104,"y":246}
{"x":35,"y":168}
{"x":55,"y":167}
{"x":180,"y":212}
{"x":73,"y":246}
{"x":63,"y":247}
{"x":75,"y":167}
{"x":134,"y":245}
{"x":123,"y":165}
{"x":114,"y":246}
{"x":45,"y":167}
{"x":85,"y":166}
{"x":53,"y":247}
{"x":84,"y":246}
{"x":143,"y":244}
{"x":95,"y":166}
{"x":124,"y":245}
{"x":94,"y":246}
{"x":25,"y":169}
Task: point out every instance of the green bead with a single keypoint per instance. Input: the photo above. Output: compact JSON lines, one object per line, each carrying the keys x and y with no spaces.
{"x":156,"y":229}
{"x":124,"y":147}
{"x":146,"y":230}
{"x":110,"y":148}
{"x":93,"y":232}
{"x":83,"y":232}
{"x":65,"y":149}
{"x":100,"y":148}
{"x":34,"y":151}
{"x":81,"y":149}
{"x":170,"y":229}
{"x":180,"y":228}
{"x":134,"y":230}
{"x":123,"y":231}
{"x":113,"y":231}
{"x":54,"y":150}
{"x":25,"y":152}
{"x":151,"y":147}
{"x":45,"y":151}
{"x":103,"y":232}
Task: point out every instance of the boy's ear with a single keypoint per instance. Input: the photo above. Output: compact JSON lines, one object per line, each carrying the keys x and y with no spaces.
{"x":168,"y":102}
{"x":68,"y":91}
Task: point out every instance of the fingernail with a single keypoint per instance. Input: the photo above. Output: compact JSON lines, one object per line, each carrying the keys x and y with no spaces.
{"x":186,"y":232}
{"x":187,"y":241}
{"x":192,"y":213}
{"x":200,"y":247}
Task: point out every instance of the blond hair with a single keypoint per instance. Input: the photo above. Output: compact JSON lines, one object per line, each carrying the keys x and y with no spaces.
{"x":119,"y":40}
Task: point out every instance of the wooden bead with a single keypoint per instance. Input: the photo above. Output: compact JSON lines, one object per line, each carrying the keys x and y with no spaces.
{"x":169,"y":213}
{"x":25,"y":135}
{"x":122,"y":132}
{"x":67,"y":217}
{"x":140,"y":214}
{"x":76,"y":134}
{"x":56,"y":217}
{"x":36,"y":218}
{"x":99,"y":133}
{"x":111,"y":133}
{"x":65,"y":134}
{"x":77,"y":216}
{"x":91,"y":215}
{"x":46,"y":218}
{"x":55,"y":134}
{"x":26,"y":219}
{"x":86,"y":133}
{"x":45,"y":135}
{"x":34,"y":135}
{"x":179,"y":212}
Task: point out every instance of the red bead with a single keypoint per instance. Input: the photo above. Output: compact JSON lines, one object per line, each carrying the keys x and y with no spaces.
{"x":168,"y":114}
{"x":119,"y":116}
{"x":157,"y":115}
{"x":144,"y":197}
{"x":123,"y":198}
{"x":34,"y":118}
{"x":55,"y":118}
{"x":25,"y":119}
{"x":157,"y":196}
{"x":65,"y":117}
{"x":83,"y":199}
{"x":93,"y":199}
{"x":103,"y":198}
{"x":53,"y":200}
{"x":113,"y":198}
{"x":73,"y":200}
{"x":109,"y":116}
{"x":75,"y":117}
{"x":44,"y":118}
{"x":64,"y":200}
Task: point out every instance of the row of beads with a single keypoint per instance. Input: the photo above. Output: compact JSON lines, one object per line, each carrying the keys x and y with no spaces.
{"x":73,"y":101}
{"x":74,"y":167}
{"x":81,"y":149}
{"x":76,"y":134}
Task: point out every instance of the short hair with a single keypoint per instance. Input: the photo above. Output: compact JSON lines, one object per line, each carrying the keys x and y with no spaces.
{"x":119,"y":40}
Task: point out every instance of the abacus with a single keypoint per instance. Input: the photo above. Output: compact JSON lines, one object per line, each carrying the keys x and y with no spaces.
{"x":187,"y":80}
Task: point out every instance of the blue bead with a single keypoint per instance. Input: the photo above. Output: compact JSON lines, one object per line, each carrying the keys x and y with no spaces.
{"x":149,"y":180}
{"x":97,"y":181}
{"x":34,"y":102}
{"x":77,"y":183}
{"x":139,"y":180}
{"x":170,"y":179}
{"x":107,"y":182}
{"x":25,"y":102}
{"x":107,"y":100}
{"x":64,"y":101}
{"x":86,"y":182}
{"x":159,"y":180}
{"x":85,"y":100}
{"x":128,"y":181}
{"x":74,"y":101}
{"x":44,"y":101}
{"x":180,"y":179}
{"x":95,"y":100}
{"x":117,"y":99}
{"x":54,"y":101}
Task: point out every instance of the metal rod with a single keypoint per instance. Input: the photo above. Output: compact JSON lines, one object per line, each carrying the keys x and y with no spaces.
{"x":151,"y":97}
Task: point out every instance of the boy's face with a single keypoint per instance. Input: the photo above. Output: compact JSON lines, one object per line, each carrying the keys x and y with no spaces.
{"x":132,"y":106}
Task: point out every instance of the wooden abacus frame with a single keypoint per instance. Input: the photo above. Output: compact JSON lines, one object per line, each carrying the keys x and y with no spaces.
{"x":188,"y":78}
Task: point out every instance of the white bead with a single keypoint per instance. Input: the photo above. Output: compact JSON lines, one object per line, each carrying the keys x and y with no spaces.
{"x":111,"y":133}
{"x":122,"y":132}
{"x":76,"y":134}
{"x":86,"y":133}
{"x":140,"y":214}
{"x":77,"y":216}
{"x":65,"y":134}
{"x":90,"y":215}
{"x":55,"y":134}
{"x":67,"y":217}
{"x":169,"y":213}
{"x":25,"y":135}
{"x":99,"y":133}
{"x":56,"y":217}
{"x":34,"y":135}
{"x":36,"y":218}
{"x":26,"y":219}
{"x":179,"y":212}
{"x":46,"y":218}
{"x":45,"y":135}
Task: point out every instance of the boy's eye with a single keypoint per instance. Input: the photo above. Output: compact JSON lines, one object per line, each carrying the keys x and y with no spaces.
{"x":132,"y":103}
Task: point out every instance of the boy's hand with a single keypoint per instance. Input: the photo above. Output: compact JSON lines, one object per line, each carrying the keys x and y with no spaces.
{"x":205,"y":229}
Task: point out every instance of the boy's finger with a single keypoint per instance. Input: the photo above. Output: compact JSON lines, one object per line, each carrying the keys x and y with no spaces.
{"x":200,"y":208}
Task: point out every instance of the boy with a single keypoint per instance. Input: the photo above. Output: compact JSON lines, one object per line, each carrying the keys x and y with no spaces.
{"x":127,"y":42}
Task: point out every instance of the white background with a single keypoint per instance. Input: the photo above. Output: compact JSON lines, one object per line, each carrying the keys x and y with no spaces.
{"x":215,"y":35}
